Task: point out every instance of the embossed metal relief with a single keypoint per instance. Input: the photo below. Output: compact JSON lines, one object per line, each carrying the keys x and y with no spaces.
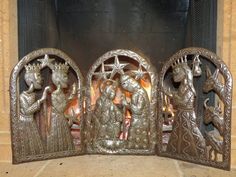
{"x":121,"y":105}
{"x":46,"y":107}
{"x":197,"y":87}
{"x":122,"y":108}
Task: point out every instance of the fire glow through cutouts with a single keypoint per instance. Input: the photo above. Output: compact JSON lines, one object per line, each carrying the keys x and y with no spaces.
{"x":121,"y":108}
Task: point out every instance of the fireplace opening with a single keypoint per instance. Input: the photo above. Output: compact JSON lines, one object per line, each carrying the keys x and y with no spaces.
{"x":154,"y":29}
{"x":86,"y":29}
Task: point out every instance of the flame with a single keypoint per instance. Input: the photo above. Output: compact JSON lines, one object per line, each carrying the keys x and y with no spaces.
{"x":128,"y":115}
{"x":95,"y":91}
{"x":147,"y":86}
{"x":84,"y":106}
{"x":73,"y":105}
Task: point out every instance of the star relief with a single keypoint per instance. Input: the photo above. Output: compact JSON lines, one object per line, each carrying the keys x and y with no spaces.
{"x":46,"y":61}
{"x":139,"y":73}
{"x":102,"y":74}
{"x":117,"y":67}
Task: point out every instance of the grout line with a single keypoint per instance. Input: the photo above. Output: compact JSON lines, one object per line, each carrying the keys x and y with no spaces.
{"x":178,"y":168}
{"x":42,"y":168}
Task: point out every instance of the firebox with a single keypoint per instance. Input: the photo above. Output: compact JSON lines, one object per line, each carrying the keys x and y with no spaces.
{"x":124,"y":106}
{"x":131,"y":99}
{"x":86,"y":29}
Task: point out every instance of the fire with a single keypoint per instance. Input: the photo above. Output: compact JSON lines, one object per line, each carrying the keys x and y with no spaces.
{"x":73,"y":104}
{"x":168,"y":106}
{"x":95,"y":92}
{"x":147,"y":86}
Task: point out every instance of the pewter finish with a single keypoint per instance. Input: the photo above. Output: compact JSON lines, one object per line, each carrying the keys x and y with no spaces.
{"x":186,"y":138}
{"x":227,"y":100}
{"x":107,"y":116}
{"x":119,"y":146}
{"x":138,"y":134}
{"x":101,"y":127}
{"x":15,"y":108}
{"x":216,"y":144}
{"x":214,"y":137}
{"x":30,"y":139}
{"x":59,"y":135}
{"x":213,"y":83}
{"x":214,"y":115}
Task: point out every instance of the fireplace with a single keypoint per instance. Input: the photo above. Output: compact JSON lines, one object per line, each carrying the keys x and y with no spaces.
{"x":154,"y":29}
{"x":58,"y":36}
{"x":124,"y":106}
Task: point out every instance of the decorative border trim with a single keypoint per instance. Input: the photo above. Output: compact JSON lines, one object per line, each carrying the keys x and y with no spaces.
{"x":14,"y":83}
{"x":212,"y":57}
{"x":153,"y":102}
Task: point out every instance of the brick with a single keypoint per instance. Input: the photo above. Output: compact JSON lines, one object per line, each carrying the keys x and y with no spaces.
{"x":5,"y":122}
{"x":233,"y":123}
{"x":5,"y":138}
{"x":233,"y":144}
{"x":233,"y":158}
{"x":6,"y":154}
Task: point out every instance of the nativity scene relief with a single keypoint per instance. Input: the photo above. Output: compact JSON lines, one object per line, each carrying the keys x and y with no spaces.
{"x":120,"y":119}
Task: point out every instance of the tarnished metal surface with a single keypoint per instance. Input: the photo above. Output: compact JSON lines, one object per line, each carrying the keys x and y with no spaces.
{"x":108,"y":130}
{"x":27,"y":141}
{"x":124,"y":110}
{"x":186,"y":140}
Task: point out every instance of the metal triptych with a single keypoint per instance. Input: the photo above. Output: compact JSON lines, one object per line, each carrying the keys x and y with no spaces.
{"x":124,"y":106}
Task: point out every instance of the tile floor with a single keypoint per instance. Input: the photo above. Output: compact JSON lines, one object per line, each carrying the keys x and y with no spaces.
{"x":111,"y":166}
